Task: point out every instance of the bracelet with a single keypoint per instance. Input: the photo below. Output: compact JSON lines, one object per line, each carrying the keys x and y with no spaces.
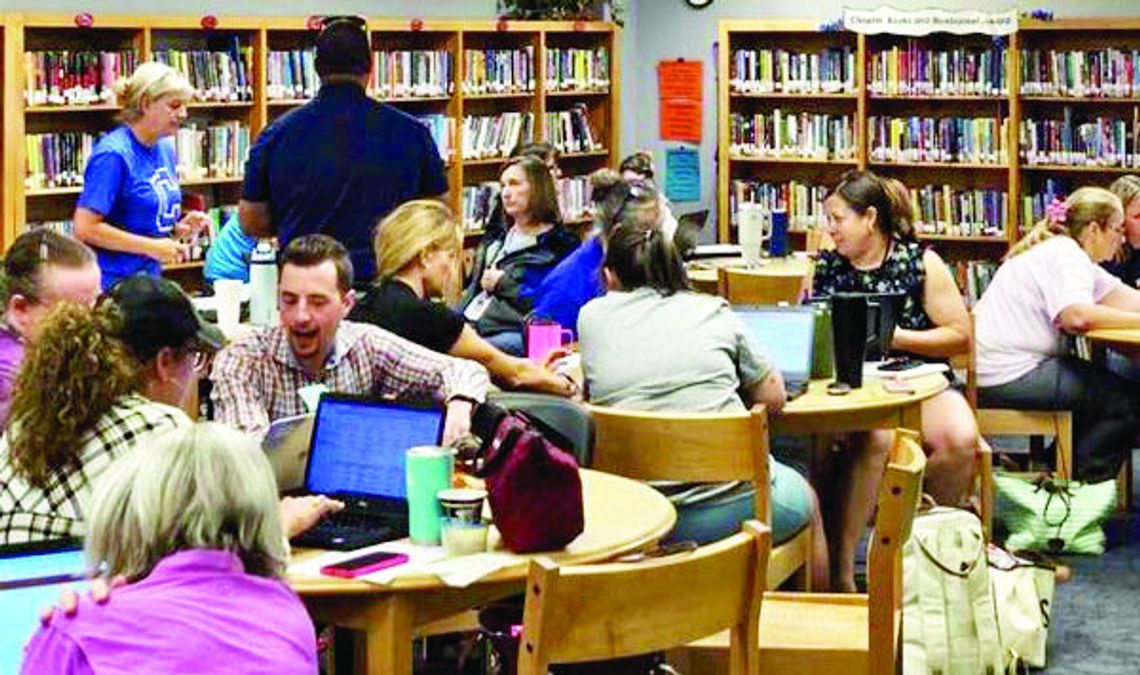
{"x":464,"y":397}
{"x":572,"y":386}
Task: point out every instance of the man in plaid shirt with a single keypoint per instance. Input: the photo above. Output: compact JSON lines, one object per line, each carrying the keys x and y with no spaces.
{"x":257,"y":379}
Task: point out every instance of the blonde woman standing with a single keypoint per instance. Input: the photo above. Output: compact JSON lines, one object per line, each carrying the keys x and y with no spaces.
{"x":1050,"y":286}
{"x":130,"y":210}
{"x":417,"y":252}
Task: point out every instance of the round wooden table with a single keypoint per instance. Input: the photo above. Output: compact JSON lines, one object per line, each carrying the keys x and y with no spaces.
{"x":1128,"y":338}
{"x":869,"y":407}
{"x":703,"y":276}
{"x":622,"y":515}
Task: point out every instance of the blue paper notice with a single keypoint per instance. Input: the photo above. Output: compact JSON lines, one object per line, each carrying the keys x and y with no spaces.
{"x":682,"y":175}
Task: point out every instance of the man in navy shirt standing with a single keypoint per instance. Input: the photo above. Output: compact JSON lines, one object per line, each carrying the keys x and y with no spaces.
{"x":338,"y":164}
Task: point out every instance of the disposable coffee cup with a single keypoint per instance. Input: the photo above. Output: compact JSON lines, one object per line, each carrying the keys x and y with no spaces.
{"x":428,"y":469}
{"x":462,"y":504}
{"x":227,"y":294}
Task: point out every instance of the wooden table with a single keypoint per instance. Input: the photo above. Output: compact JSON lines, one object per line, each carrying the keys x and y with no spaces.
{"x":1127,"y":339}
{"x":622,"y":515}
{"x":864,"y":409}
{"x":703,"y":276}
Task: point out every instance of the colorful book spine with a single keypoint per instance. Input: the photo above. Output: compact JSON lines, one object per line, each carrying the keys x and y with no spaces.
{"x":1082,"y":140}
{"x":577,"y":69}
{"x":574,"y":199}
{"x":65,"y":227}
{"x":216,"y":151}
{"x":58,"y":159}
{"x":963,"y":212}
{"x":74,"y":78}
{"x":911,"y":70}
{"x":791,"y":135}
{"x":291,"y":75}
{"x":802,"y":201}
{"x":779,"y":71}
{"x":498,"y":71}
{"x":570,"y":131}
{"x":478,"y":204}
{"x":412,"y":74}
{"x":1033,"y":204}
{"x":492,"y":136}
{"x":1094,"y":73}
{"x":218,"y":76}
{"x":946,"y":140}
{"x":442,"y":130}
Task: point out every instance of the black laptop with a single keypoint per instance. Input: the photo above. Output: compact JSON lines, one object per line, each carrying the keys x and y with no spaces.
{"x":356,"y":455}
{"x":787,"y":336}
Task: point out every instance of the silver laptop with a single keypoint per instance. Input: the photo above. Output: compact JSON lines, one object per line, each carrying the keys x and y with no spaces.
{"x":787,"y":336}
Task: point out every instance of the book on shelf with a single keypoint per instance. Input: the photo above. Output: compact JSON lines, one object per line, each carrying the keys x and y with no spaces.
{"x":577,"y":69}
{"x":973,"y":276}
{"x":949,"y":140}
{"x":479,"y":203}
{"x":1095,"y":73}
{"x":1082,"y":140}
{"x":57,"y":160}
{"x":291,"y":74}
{"x":916,"y":71}
{"x":964,"y":212}
{"x":1033,"y":204}
{"x":792,"y":135}
{"x":803,"y":202}
{"x":221,"y":76}
{"x":494,"y":136}
{"x":768,"y":71}
{"x":412,"y":73}
{"x":215,"y":151}
{"x":499,"y":71}
{"x":574,"y":198}
{"x":569,"y":130}
{"x":442,"y":130}
{"x":74,"y":78}
{"x":65,"y":227}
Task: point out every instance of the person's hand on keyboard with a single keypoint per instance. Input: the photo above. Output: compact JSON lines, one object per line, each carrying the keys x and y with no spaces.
{"x":300,"y":513}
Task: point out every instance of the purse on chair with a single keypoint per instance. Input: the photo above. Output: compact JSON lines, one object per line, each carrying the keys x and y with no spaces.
{"x":533,"y":486}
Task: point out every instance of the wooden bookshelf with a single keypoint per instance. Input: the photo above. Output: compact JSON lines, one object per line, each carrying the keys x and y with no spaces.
{"x":20,"y":33}
{"x":1014,"y":175}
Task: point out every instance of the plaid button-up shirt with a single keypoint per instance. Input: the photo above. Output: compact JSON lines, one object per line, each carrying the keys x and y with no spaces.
{"x":256,"y":379}
{"x":29,"y":513}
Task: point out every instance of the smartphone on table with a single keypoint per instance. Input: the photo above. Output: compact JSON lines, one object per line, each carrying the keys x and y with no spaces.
{"x":365,"y":564}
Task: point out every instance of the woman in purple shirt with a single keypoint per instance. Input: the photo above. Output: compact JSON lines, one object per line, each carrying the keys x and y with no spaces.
{"x":193,"y":525}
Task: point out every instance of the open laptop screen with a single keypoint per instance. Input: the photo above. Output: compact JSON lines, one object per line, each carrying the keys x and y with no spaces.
{"x":30,"y":581}
{"x":786,"y":335}
{"x":358,"y":446}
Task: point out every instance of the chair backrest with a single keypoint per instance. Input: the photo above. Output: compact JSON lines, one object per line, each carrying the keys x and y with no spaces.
{"x":569,"y":418}
{"x":590,"y":612}
{"x":756,"y":287}
{"x":898,"y":499}
{"x":685,"y":446}
{"x":972,"y":365}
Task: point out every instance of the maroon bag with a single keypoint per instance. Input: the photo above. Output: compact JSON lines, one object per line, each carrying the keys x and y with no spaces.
{"x":533,"y":487}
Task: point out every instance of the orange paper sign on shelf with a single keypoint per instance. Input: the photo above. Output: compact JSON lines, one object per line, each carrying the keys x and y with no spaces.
{"x":679,"y":86}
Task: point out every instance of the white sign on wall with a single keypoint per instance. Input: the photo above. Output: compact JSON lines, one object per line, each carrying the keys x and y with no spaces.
{"x":926,"y":21}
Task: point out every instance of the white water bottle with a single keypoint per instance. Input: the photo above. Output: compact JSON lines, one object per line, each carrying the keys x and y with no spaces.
{"x":263,"y":285}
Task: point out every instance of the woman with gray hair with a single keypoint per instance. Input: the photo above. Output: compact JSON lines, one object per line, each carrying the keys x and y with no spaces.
{"x":193,"y":525}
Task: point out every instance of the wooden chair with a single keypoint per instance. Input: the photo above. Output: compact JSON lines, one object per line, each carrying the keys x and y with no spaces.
{"x":589,"y":612}
{"x":842,"y":632}
{"x":700,"y":447}
{"x":741,"y":286}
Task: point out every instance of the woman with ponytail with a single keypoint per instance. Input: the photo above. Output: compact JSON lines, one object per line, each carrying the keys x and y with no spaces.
{"x":1051,"y":286}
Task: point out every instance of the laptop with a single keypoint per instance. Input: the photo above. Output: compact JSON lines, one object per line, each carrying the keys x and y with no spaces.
{"x":31,"y":578}
{"x":787,"y":336}
{"x":356,"y":455}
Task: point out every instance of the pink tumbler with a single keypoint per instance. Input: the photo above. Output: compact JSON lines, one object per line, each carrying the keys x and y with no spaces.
{"x":543,"y":337}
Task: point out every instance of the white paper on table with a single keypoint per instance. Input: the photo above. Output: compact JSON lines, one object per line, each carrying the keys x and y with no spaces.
{"x":871,"y":369}
{"x":462,"y":571}
{"x":418,"y":557}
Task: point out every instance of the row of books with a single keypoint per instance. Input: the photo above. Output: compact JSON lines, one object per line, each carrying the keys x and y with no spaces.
{"x":490,"y":136}
{"x":963,"y":140}
{"x":569,"y":131}
{"x":973,"y":277}
{"x":802,"y":201}
{"x":215,"y":75}
{"x":442,"y":130}
{"x":804,"y":135}
{"x":577,"y":69}
{"x":1033,"y":205}
{"x":74,"y":77}
{"x":216,"y":151}
{"x":915,"y":71}
{"x":479,"y":202}
{"x":58,"y":159}
{"x":941,"y":209}
{"x":1093,"y":73}
{"x":1104,"y":140}
{"x":574,"y":198}
{"x":767,"y":71}
{"x":291,"y":74}
{"x":498,"y":71}
{"x":412,"y":74}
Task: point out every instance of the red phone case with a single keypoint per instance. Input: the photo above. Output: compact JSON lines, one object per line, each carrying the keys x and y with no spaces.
{"x":335,"y":570}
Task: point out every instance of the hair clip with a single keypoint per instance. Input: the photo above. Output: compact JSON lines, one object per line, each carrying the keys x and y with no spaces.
{"x":1056,"y":211}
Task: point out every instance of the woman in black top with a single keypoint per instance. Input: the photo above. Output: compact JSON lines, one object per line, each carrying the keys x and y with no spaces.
{"x":417,"y":247}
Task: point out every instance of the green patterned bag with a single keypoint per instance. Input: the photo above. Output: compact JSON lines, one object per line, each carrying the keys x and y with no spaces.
{"x":1052,"y":515}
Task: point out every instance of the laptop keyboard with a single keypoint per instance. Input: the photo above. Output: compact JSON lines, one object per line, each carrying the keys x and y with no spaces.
{"x":346,"y":531}
{"x":795,"y":388}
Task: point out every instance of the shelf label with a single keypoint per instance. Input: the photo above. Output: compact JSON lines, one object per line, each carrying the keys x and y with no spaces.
{"x":927,"y":21}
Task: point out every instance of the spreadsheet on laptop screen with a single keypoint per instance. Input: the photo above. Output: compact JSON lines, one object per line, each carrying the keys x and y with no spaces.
{"x":359,"y":447}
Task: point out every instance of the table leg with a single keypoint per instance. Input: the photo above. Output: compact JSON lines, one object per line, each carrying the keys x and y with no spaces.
{"x":388,"y":641}
{"x":910,"y":417}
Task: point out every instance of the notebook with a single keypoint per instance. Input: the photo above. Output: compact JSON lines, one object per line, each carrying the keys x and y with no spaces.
{"x":31,"y":578}
{"x":787,"y":336}
{"x":356,"y":455}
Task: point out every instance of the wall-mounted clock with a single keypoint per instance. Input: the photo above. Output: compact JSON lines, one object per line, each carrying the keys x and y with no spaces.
{"x":698,"y":4}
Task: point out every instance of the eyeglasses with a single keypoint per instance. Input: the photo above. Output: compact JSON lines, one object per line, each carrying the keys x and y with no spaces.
{"x":199,"y":357}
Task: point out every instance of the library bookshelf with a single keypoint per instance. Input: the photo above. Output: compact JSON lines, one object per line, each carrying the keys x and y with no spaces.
{"x":968,"y":123}
{"x":264,"y":48}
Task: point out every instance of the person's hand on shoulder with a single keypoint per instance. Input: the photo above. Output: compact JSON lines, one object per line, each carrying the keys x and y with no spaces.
{"x":300,"y":513}
{"x":68,"y":604}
